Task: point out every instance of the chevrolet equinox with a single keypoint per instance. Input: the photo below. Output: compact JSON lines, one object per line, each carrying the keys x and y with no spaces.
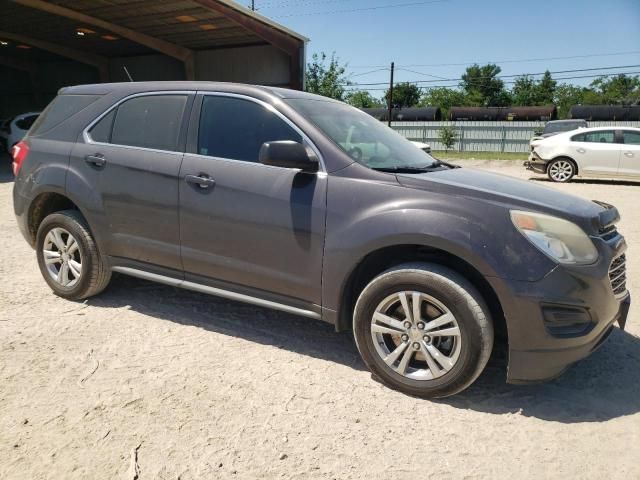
{"x":300,"y":203}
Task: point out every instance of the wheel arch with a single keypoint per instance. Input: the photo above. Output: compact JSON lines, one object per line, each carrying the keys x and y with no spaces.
{"x":565,"y":157}
{"x":44,"y":204}
{"x":377,"y":261}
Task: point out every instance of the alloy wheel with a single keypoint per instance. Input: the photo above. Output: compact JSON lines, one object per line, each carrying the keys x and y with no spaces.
{"x":561,"y":170}
{"x":62,"y":257}
{"x":416,"y":335}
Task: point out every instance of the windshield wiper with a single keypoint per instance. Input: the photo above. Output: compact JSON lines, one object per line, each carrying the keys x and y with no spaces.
{"x":437,"y":165}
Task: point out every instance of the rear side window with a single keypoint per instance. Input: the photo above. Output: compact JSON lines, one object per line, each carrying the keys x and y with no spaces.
{"x":236,"y":129}
{"x":631,"y":138}
{"x":602,"y":136}
{"x":152,"y":121}
{"x":578,"y":138}
{"x":26,"y":122}
{"x":101,"y":131}
{"x":61,"y":108}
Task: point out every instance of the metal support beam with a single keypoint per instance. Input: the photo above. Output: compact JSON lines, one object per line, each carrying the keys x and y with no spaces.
{"x":181,"y":53}
{"x":101,"y":63}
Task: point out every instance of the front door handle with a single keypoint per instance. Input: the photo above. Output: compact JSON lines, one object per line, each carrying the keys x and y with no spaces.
{"x":628,"y":154}
{"x":98,"y":160}
{"x":202,"y":180}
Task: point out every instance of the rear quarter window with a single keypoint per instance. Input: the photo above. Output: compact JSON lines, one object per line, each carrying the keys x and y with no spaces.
{"x":61,"y":108}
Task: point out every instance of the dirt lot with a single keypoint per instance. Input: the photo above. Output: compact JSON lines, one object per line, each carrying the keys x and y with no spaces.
{"x":197,"y":387}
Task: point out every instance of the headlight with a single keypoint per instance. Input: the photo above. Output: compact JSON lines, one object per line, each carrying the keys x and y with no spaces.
{"x":563,"y":241}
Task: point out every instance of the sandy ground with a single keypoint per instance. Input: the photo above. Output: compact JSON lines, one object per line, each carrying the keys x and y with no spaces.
{"x":196,"y":387}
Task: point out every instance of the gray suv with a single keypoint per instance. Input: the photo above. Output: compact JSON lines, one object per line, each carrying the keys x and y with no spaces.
{"x":295,"y":202}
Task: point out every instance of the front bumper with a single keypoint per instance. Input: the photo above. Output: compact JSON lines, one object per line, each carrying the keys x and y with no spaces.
{"x":554,"y":322}
{"x":536,"y":164}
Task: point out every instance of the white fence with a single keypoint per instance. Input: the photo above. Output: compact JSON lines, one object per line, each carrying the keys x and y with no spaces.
{"x":483,"y":136}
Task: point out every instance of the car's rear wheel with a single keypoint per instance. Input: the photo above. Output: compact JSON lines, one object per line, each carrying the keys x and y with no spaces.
{"x":423,"y":329}
{"x":561,"y":170}
{"x":68,"y":257}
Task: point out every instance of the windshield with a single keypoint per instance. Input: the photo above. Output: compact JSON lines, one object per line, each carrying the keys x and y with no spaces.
{"x":562,"y":126}
{"x":362,"y":137}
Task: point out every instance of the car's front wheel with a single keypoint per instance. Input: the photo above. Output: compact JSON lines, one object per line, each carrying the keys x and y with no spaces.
{"x":561,"y":170}
{"x":68,"y":257}
{"x":423,"y":329}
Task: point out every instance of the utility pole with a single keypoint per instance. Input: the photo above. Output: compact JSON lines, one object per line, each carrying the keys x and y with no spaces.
{"x":253,"y":5}
{"x":391,"y":94}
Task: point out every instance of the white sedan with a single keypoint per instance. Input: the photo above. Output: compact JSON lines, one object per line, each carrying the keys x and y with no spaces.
{"x":602,"y":152}
{"x":16,"y":128}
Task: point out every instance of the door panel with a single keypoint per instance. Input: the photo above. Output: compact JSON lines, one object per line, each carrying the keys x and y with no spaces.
{"x":138,"y":192}
{"x":598,"y":154}
{"x":258,"y":226}
{"x":630,"y":155}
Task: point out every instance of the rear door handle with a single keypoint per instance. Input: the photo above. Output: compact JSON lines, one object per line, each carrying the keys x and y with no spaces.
{"x":628,"y":154}
{"x":581,"y":150}
{"x":97,"y":160}
{"x":202,"y":180}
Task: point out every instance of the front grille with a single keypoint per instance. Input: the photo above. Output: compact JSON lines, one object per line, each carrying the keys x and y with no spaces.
{"x":607,"y":233}
{"x":618,"y":275}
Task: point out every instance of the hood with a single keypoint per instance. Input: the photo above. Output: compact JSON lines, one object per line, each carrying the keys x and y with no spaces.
{"x":514,"y":193}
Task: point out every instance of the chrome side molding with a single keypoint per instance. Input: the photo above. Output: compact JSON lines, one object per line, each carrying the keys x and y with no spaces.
{"x":218,"y":292}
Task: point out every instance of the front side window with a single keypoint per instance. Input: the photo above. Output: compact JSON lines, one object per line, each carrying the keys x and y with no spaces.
{"x":631,"y":138}
{"x":152,"y":121}
{"x":235,"y":128}
{"x":602,"y":136}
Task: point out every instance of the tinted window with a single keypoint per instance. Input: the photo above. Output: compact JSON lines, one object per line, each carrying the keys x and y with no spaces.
{"x":101,"y":131}
{"x":578,"y":138}
{"x":153,"y":121}
{"x":631,"y":138}
{"x":602,"y":136}
{"x":26,"y":122}
{"x":236,"y":128}
{"x":61,"y":108}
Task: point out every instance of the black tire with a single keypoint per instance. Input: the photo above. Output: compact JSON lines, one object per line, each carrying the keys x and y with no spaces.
{"x":561,"y":170}
{"x":460,"y":298}
{"x":96,"y":273}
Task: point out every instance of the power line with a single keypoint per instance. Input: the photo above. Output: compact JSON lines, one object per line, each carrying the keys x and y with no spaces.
{"x":363,"y":9}
{"x":525,"y":60}
{"x":421,"y":73}
{"x":507,"y":82}
{"x":508,"y":76}
{"x":372,"y":71}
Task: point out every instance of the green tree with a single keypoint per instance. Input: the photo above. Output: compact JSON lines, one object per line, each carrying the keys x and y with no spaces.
{"x":327,"y":80}
{"x":524,"y":91}
{"x":482,"y":86}
{"x":404,"y":95}
{"x":545,"y":89}
{"x":566,"y":96}
{"x":363,"y":99}
{"x":619,"y":90}
{"x":448,"y":136}
{"x":443,"y":97}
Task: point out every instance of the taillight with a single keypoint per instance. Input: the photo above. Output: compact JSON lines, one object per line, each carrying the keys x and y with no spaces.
{"x":19,"y":152}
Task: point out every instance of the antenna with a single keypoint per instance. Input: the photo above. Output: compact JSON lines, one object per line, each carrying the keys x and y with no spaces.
{"x":127,"y":72}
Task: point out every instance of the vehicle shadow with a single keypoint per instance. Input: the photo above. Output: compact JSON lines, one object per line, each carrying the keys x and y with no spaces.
{"x":601,"y":387}
{"x":591,"y":181}
{"x":6,"y":174}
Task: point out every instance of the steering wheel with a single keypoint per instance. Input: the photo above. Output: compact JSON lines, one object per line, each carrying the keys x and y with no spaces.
{"x":355,"y":153}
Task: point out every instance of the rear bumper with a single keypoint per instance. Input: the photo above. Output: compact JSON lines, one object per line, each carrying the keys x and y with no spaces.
{"x":536,"y":164}
{"x":554,"y":322}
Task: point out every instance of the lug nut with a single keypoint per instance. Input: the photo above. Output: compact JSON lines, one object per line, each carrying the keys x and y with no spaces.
{"x":421,"y":326}
{"x":405,"y":337}
{"x":416,"y":346}
{"x":407,"y":324}
{"x":427,"y":338}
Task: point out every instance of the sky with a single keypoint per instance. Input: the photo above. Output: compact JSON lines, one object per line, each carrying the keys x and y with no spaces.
{"x":423,"y":35}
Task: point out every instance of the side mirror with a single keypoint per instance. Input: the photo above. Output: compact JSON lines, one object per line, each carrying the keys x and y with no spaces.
{"x":287,"y":154}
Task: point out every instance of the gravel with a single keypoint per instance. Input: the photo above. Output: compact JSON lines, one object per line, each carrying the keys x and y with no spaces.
{"x":159,"y":383}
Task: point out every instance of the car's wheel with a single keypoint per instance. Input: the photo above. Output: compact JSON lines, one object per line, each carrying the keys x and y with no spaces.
{"x":561,"y":170}
{"x":68,"y":257}
{"x":423,"y":329}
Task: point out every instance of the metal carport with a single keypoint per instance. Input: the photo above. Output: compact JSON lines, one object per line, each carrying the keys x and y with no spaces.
{"x":45,"y":45}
